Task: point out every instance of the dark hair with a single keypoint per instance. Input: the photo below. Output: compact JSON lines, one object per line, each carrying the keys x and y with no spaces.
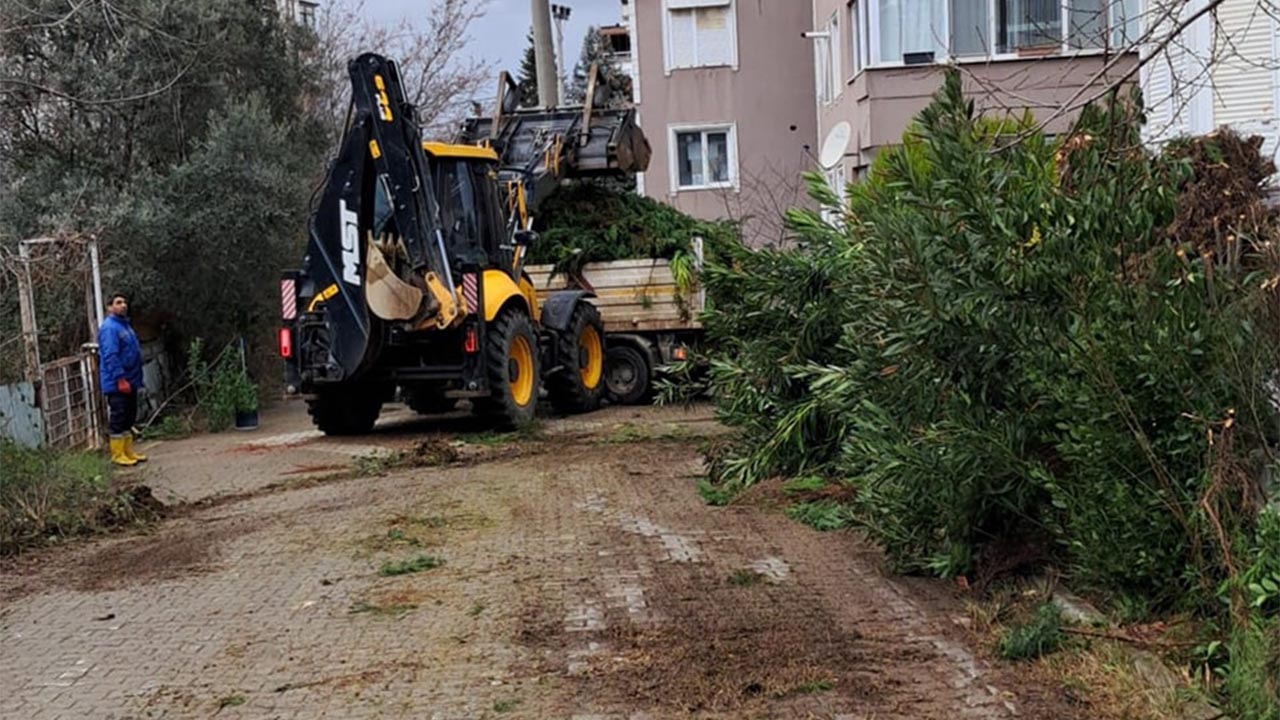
{"x":111,"y":300}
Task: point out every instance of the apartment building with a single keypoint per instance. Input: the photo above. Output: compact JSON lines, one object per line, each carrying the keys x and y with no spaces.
{"x":1223,"y":70}
{"x":879,"y":62}
{"x":740,"y":96}
{"x":725,"y":93}
{"x":299,"y":11}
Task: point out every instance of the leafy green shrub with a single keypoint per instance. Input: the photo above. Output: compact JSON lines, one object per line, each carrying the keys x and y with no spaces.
{"x":998,"y":344}
{"x":45,"y":494}
{"x":222,"y":387}
{"x":1041,"y":635}
{"x":821,"y":514}
{"x":407,"y":567}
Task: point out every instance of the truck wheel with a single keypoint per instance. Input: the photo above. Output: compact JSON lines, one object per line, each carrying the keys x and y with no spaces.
{"x":430,"y":402}
{"x":580,"y":385}
{"x":345,"y":411}
{"x":514,"y":380}
{"x":626,"y":375}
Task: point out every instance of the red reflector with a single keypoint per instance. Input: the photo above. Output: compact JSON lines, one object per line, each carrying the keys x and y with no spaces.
{"x":286,"y":343}
{"x":288,"y":299}
{"x":472,"y":343}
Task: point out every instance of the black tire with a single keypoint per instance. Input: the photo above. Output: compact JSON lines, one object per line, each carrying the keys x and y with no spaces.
{"x":576,"y":388}
{"x":345,"y":410}
{"x":503,"y":407}
{"x":430,"y":401}
{"x":627,"y":375}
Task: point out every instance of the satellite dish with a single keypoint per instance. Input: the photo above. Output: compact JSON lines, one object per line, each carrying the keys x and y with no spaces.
{"x":836,"y":144}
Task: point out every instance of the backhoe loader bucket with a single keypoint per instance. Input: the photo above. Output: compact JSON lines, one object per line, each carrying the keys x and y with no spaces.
{"x":592,"y":143}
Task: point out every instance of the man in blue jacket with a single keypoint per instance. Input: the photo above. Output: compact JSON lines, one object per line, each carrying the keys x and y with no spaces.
{"x":120,"y":372}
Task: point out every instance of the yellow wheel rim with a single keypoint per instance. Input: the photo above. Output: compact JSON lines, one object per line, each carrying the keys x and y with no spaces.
{"x":590,"y":357}
{"x":520,"y":369}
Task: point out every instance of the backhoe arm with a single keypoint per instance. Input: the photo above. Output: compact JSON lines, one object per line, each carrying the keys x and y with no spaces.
{"x":378,"y":187}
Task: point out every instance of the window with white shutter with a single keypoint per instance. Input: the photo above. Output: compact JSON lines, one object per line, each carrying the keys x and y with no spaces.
{"x":700,"y":33}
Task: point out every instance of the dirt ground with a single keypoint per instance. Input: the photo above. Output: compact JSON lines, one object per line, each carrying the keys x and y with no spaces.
{"x":573,"y":573}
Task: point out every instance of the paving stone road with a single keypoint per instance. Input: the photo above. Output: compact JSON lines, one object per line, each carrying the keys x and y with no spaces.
{"x":581,"y":578}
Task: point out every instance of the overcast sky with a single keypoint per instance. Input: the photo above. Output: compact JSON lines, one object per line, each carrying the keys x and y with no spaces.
{"x":500,"y":35}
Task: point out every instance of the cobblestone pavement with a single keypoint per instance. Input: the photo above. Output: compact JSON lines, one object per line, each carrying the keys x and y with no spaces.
{"x":581,"y":578}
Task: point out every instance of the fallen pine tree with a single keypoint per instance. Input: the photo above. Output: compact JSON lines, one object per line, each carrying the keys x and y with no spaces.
{"x":600,"y":221}
{"x":1012,"y":350}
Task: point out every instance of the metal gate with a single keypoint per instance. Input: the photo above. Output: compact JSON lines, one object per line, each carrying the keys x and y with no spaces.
{"x":70,"y":404}
{"x":65,"y":389}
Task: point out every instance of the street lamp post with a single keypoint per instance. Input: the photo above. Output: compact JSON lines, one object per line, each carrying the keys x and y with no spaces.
{"x":560,"y":13}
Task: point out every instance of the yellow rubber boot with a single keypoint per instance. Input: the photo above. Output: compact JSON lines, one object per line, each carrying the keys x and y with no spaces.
{"x":118,"y":455}
{"x":130,"y":453}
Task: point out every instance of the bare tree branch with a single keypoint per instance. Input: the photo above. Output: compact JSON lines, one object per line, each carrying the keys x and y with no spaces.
{"x":439,"y":77}
{"x":88,"y":101}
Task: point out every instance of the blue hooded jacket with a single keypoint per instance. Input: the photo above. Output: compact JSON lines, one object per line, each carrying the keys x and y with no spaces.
{"x":119,"y":355}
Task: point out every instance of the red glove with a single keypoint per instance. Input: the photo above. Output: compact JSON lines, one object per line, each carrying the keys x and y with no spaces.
{"x":123,"y":386}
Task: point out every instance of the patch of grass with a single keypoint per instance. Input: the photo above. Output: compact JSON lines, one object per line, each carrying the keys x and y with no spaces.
{"x":745,"y":577}
{"x":375,"y":464}
{"x":714,"y":494}
{"x":625,"y":433}
{"x":628,"y":432}
{"x":407,"y":567}
{"x":428,"y":453}
{"x":822,"y":515}
{"x":796,"y":486}
{"x":1252,"y":677}
{"x":46,"y":494}
{"x":231,"y":701}
{"x":1101,"y":676}
{"x":397,"y":535}
{"x":391,"y":609}
{"x":1039,"y":636}
{"x":490,"y":439}
{"x":475,"y":610}
{"x":170,"y":427}
{"x":506,"y":705}
{"x":530,"y":431}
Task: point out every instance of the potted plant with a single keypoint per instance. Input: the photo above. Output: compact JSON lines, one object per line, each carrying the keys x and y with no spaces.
{"x":246,"y":401}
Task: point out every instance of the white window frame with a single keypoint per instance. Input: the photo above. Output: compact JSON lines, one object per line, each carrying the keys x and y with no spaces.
{"x":673,"y":155}
{"x":838,"y":179}
{"x":835,"y":45}
{"x":857,"y":19}
{"x":1064,"y":47}
{"x":668,"y":61}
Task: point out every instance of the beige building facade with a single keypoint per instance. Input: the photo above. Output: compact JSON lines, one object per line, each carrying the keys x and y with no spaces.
{"x":725,"y":94}
{"x":879,"y":62}
{"x":738,"y":97}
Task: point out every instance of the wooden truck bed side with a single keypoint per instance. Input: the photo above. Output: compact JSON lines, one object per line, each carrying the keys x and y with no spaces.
{"x":632,"y":295}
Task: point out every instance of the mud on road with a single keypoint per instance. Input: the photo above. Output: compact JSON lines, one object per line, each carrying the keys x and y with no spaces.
{"x":574,"y":574}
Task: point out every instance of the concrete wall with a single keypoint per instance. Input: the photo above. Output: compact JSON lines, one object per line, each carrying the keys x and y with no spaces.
{"x":20,"y":419}
{"x":769,"y":97}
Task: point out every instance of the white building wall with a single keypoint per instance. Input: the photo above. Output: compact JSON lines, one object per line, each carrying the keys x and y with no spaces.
{"x":1221,"y":71}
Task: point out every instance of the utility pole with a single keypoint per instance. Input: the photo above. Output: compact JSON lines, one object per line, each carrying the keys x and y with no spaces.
{"x":560,"y":13}
{"x":543,"y":53}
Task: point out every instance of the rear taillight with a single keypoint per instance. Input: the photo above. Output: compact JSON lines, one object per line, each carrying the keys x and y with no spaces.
{"x":472,"y":343}
{"x":286,"y":343}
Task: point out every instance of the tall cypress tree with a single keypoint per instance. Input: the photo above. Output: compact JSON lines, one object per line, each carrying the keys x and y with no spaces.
{"x":615,"y":83}
{"x":529,"y":75}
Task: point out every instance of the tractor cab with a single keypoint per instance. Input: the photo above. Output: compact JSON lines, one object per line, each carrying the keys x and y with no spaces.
{"x":473,"y":219}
